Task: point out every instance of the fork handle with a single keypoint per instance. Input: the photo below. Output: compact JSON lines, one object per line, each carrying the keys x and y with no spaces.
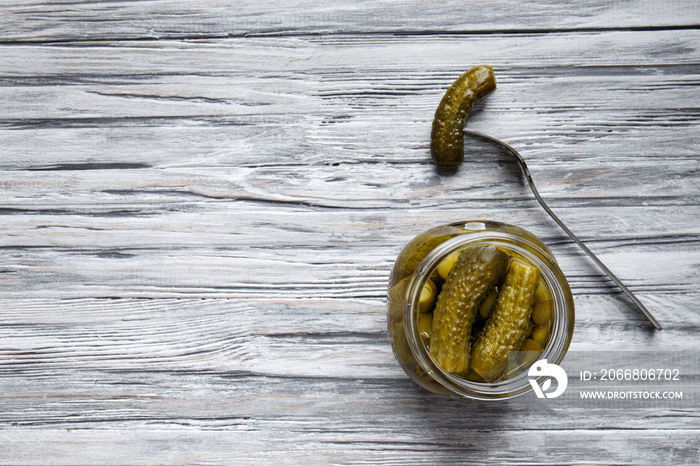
{"x":544,"y":205}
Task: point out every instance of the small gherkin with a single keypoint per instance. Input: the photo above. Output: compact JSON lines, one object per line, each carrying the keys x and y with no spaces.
{"x":475,"y":273}
{"x":446,"y":138}
{"x":507,"y":326}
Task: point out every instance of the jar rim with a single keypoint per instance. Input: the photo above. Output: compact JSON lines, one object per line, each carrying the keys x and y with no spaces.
{"x":562,"y":308}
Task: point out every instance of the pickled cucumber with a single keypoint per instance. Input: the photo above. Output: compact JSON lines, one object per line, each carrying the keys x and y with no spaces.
{"x":427,"y":297}
{"x":425,"y":327}
{"x":540,"y":334}
{"x":395,"y":299}
{"x":444,"y":267}
{"x":542,"y":293}
{"x":476,"y":272}
{"x":542,"y":312}
{"x":508,"y":324}
{"x":530,"y":346}
{"x":529,"y":352}
{"x":419,"y":247}
{"x":487,"y":305}
{"x":446,"y":138}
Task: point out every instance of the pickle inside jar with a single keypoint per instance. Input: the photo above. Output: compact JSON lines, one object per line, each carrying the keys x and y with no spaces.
{"x":498,"y":331}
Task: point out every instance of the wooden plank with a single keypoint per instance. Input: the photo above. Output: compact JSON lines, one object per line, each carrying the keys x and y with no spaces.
{"x":134,"y":171}
{"x":260,"y":444}
{"x":186,"y":257}
{"x":313,"y":338}
{"x":40,"y":20}
{"x":121,"y":97}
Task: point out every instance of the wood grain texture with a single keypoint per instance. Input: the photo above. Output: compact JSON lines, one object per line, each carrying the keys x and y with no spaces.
{"x":200,"y":205}
{"x":84,"y":20}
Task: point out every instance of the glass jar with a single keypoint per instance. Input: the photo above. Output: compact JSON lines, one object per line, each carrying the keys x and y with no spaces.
{"x":417,"y":265}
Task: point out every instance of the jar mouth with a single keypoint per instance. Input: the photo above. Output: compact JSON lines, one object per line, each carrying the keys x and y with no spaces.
{"x":516,"y":381}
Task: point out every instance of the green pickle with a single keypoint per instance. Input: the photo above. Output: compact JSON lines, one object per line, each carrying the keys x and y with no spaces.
{"x":421,"y":246}
{"x":507,"y":294}
{"x":491,"y":303}
{"x":446,"y":137}
{"x":507,"y":326}
{"x":474,"y":274}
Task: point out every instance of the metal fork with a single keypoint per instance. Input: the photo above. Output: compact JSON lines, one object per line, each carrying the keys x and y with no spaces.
{"x":600,"y":264}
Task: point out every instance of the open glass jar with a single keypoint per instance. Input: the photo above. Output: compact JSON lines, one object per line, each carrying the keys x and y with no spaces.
{"x":417,"y":270}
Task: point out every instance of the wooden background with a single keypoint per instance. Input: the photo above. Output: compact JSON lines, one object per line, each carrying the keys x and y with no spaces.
{"x":200,"y":204}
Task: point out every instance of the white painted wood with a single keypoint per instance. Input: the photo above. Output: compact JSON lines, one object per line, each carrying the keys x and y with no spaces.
{"x":39,"y":20}
{"x":200,"y":206}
